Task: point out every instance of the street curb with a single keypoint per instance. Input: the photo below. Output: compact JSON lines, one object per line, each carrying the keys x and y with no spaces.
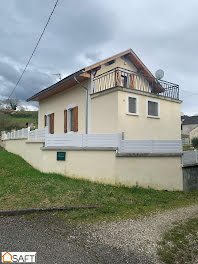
{"x":40,"y":210}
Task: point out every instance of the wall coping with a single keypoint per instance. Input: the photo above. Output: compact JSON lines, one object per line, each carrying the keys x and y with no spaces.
{"x":128,"y":90}
{"x":35,"y":141}
{"x":78,"y":148}
{"x":22,"y":138}
{"x":190,"y":165}
{"x":148,"y":154}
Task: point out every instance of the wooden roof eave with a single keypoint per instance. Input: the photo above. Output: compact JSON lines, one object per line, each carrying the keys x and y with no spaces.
{"x":61,"y":87}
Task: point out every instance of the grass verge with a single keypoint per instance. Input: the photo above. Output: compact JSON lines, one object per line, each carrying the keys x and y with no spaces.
{"x":23,"y":187}
{"x":180,"y":244}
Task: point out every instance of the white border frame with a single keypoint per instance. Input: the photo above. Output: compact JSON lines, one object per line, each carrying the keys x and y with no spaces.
{"x":127,"y":105}
{"x":154,"y":101}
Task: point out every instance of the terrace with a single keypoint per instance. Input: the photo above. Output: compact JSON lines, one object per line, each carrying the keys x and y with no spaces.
{"x":134,"y":80}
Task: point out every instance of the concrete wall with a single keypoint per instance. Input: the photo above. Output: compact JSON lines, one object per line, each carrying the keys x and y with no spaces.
{"x":104,"y":166}
{"x":190,"y":178}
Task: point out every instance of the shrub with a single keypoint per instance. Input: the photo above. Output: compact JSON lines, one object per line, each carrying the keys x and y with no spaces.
{"x":195,"y":142}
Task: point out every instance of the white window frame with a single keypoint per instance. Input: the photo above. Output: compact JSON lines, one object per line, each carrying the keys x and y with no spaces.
{"x":68,"y":108}
{"x":137,"y":105}
{"x":154,"y":101}
{"x":48,"y":119}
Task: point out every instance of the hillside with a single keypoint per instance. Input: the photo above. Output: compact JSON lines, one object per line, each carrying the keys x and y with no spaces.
{"x":17,"y":119}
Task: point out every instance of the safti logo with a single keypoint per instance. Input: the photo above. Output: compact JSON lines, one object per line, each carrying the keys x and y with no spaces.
{"x":18,"y":257}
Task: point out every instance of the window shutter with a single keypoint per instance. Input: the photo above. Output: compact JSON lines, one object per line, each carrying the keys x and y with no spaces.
{"x":118,"y":78}
{"x":52,"y":123}
{"x":45,"y":120}
{"x":65,"y":121}
{"x":132,"y":81}
{"x":75,"y":116}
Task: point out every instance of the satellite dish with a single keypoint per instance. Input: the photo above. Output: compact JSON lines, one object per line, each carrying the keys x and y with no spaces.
{"x":159,"y":74}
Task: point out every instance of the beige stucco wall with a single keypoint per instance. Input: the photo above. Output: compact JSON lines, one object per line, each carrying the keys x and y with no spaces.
{"x":120,"y":62}
{"x":104,"y":114}
{"x":109,"y":115}
{"x":104,"y":166}
{"x":166,"y":127}
{"x":58,"y":103}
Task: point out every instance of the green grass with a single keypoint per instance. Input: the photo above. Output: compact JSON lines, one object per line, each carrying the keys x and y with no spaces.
{"x":23,"y":186}
{"x":180,"y":244}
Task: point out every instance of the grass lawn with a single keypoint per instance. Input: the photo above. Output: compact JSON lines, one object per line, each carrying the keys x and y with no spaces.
{"x":179,"y":244}
{"x":23,"y":186}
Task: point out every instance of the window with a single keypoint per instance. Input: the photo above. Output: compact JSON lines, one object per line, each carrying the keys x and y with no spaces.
{"x":132,"y":105}
{"x":49,"y":122}
{"x":71,"y":113}
{"x":152,"y":108}
{"x":71,"y":119}
{"x":125,"y":80}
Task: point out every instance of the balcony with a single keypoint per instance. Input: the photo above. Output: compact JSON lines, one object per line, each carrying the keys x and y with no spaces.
{"x":136,"y":81}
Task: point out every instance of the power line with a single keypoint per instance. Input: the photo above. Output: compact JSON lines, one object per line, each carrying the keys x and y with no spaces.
{"x":34,"y":48}
{"x":191,"y":94}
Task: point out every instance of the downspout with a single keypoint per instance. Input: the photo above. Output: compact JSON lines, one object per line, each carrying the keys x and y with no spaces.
{"x":86,"y":119}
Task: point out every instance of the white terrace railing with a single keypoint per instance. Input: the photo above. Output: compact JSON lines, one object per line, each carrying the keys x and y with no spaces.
{"x":83,"y":140}
{"x":98,"y":141}
{"x":113,"y":141}
{"x":22,"y":133}
{"x":190,"y":157}
{"x":34,"y":135}
{"x":38,"y":134}
{"x":150,"y":146}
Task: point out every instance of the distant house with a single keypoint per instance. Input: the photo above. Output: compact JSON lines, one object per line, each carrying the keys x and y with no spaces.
{"x":189,"y":128}
{"x":189,"y":123}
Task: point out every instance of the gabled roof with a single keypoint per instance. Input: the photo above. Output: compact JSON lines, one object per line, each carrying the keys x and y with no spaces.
{"x":84,"y":74}
{"x":190,"y":120}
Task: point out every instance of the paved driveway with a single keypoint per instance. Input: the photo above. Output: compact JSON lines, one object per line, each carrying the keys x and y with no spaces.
{"x":55,"y":242}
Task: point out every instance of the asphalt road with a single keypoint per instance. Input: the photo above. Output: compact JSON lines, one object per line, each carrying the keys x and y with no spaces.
{"x":57,"y":243}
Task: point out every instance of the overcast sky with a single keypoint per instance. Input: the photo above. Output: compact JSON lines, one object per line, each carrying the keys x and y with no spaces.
{"x":164,"y":34}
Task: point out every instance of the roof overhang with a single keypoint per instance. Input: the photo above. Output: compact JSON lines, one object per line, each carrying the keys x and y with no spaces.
{"x":60,"y":86}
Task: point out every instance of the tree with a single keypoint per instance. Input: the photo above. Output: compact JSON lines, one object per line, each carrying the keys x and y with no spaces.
{"x":195,"y":142}
{"x":12,"y":103}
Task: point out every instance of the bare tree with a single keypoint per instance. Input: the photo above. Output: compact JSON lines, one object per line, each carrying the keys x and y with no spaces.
{"x":12,"y":103}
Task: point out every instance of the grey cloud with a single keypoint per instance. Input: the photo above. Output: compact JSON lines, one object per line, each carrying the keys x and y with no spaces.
{"x":163,"y":34}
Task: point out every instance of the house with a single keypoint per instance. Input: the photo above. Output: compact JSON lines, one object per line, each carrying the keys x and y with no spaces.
{"x":189,"y":123}
{"x":123,"y":96}
{"x":189,"y":128}
{"x":112,"y":122}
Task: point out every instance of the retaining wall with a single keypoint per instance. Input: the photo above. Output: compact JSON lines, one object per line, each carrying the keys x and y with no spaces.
{"x":155,"y":171}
